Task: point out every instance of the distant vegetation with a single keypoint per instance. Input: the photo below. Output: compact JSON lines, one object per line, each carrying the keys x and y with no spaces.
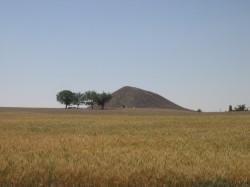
{"x":90,"y":98}
{"x":199,"y":110}
{"x":230,"y":108}
{"x":238,"y":108}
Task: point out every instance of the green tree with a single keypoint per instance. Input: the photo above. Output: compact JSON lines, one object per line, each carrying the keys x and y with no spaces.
{"x":199,"y":110}
{"x":230,"y":108}
{"x":65,"y":97}
{"x":91,"y":98}
{"x":241,"y":108}
{"x":103,"y":98}
{"x":79,"y":99}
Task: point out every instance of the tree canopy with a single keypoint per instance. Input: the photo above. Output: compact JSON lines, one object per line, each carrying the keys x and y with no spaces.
{"x":238,"y":108}
{"x":241,"y":108}
{"x":103,"y":98}
{"x":65,"y":97}
{"x":230,"y":108}
{"x":89,"y":98}
{"x":79,"y":99}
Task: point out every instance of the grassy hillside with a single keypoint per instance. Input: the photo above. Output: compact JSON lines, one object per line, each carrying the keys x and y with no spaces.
{"x":123,"y":148}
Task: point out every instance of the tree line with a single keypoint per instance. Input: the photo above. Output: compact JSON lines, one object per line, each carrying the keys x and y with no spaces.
{"x":238,"y":108}
{"x":89,"y":98}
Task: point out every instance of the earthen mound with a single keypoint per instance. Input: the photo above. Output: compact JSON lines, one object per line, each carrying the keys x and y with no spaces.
{"x":131,"y":97}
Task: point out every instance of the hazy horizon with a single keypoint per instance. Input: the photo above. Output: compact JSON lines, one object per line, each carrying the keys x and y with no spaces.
{"x":193,"y":53}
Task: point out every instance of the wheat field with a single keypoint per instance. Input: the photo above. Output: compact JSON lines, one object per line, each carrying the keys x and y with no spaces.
{"x":137,"y":147}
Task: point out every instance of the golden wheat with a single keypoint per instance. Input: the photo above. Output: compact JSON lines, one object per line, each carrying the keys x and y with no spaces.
{"x":123,"y":148}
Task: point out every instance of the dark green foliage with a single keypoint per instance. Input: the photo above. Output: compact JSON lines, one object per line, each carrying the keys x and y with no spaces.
{"x":65,"y":97}
{"x":199,"y":110}
{"x":103,"y":98}
{"x":79,"y":99}
{"x":230,"y":108}
{"x":90,"y":98}
{"x":241,"y":108}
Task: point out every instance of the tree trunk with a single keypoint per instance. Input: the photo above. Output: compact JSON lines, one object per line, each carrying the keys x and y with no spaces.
{"x":92,"y":106}
{"x":66,"y":106}
{"x":103,"y":107}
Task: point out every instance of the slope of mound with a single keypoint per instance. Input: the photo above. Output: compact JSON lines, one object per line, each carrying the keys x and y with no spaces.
{"x":130,"y":97}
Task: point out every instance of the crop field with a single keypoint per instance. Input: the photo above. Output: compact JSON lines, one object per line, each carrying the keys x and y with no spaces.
{"x":137,"y":147}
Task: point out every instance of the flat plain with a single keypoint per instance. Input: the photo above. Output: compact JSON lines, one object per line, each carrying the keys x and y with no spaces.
{"x":128,"y":147}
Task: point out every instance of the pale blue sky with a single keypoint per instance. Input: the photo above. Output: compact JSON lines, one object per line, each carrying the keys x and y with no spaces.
{"x":195,"y":53}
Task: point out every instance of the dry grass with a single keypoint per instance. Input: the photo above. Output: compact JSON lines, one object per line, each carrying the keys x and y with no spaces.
{"x":41,"y":147}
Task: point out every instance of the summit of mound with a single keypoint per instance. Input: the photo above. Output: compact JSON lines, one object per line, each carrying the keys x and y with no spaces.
{"x":131,"y":97}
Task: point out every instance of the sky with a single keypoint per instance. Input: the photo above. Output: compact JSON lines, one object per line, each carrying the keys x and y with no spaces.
{"x":195,"y":53}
